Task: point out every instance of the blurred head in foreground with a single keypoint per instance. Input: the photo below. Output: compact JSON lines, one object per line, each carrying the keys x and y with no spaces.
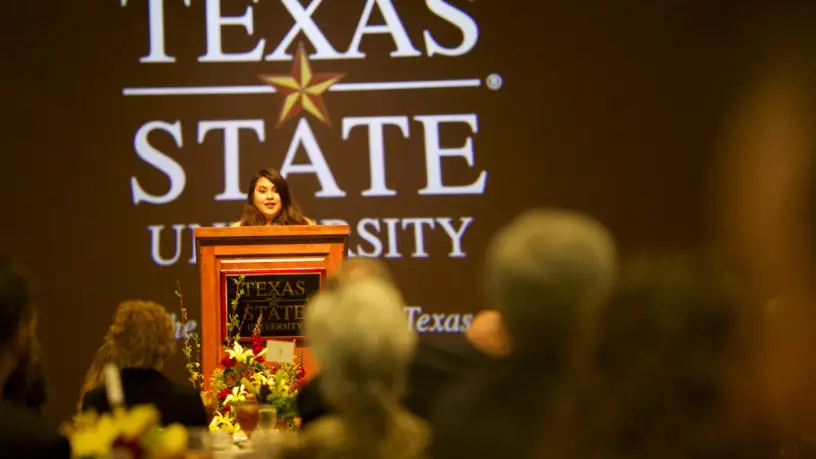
{"x":549,"y":272}
{"x":359,"y":334}
{"x":764,"y":207}
{"x":357,"y":269}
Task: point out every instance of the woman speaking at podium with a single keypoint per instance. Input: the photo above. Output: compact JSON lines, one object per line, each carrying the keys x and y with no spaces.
{"x":269,"y":202}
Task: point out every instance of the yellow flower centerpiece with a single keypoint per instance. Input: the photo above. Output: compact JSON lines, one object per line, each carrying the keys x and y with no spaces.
{"x":136,"y":433}
{"x":245,"y":378}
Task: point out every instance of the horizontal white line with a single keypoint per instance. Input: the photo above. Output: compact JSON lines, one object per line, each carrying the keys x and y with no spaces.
{"x":264,"y":89}
{"x":398,"y":85}
{"x":197,"y":90}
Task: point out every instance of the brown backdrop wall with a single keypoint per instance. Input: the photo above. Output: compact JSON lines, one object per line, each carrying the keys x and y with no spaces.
{"x":608,"y":110}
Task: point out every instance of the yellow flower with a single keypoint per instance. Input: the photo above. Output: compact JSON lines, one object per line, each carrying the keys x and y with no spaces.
{"x":94,"y":440}
{"x":261,"y":379}
{"x":239,"y":353}
{"x":221,"y":422}
{"x":94,"y":435}
{"x":173,"y":439}
{"x":84,"y":420}
{"x":260,"y":354}
{"x":137,"y":420}
{"x":216,"y":422}
{"x":238,"y":394}
{"x":282,"y":386}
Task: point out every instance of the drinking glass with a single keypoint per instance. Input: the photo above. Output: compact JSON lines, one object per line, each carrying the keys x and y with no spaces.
{"x":199,"y":443}
{"x":267,"y":439}
{"x":246,"y":413}
{"x":267,"y":417}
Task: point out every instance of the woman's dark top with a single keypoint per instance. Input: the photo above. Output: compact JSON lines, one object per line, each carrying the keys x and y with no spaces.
{"x":497,"y":411}
{"x":26,"y":385}
{"x":24,"y":433}
{"x":177,"y":403}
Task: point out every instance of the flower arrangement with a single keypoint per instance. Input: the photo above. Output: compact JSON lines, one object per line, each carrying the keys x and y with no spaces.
{"x":134,"y":433}
{"x":244,"y":376}
{"x":193,"y":360}
{"x":278,"y":388}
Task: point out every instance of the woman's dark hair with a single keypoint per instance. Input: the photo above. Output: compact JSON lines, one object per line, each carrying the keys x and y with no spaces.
{"x":26,"y":386}
{"x":290,"y":213}
{"x":15,"y":301}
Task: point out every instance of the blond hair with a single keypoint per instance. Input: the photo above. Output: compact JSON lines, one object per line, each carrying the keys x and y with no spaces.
{"x":142,"y":333}
{"x":142,"y":336}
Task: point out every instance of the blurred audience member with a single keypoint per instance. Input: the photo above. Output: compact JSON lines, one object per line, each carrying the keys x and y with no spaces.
{"x":438,"y":360}
{"x":548,"y":272}
{"x":671,"y":371}
{"x":23,"y":433}
{"x":765,"y":211}
{"x":139,"y":342}
{"x":26,"y":385}
{"x":358,"y":269}
{"x":360,"y":337}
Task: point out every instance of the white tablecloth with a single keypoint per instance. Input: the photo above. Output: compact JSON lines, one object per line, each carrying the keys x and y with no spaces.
{"x":263,"y":444}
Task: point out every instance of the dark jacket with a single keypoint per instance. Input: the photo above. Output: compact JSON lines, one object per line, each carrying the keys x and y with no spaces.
{"x":177,"y":403}
{"x":497,"y":411}
{"x":440,"y":359}
{"x":26,"y":385}
{"x":23,"y":433}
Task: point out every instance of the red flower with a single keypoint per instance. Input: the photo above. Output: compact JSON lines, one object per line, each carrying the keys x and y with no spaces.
{"x":258,"y":345}
{"x":227,"y":362}
{"x":223,"y":394}
{"x":300,"y":383}
{"x":132,"y":447}
{"x":259,"y":359}
{"x":273,"y":368}
{"x":301,"y":373}
{"x":225,"y":410}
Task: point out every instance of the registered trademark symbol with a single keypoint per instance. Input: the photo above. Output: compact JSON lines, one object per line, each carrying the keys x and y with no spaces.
{"x":494,"y":81}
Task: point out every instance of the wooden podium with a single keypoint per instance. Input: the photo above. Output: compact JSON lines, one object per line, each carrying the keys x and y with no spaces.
{"x":277,"y":268}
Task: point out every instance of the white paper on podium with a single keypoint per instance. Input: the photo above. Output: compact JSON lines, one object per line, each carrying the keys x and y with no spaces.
{"x":280,"y":351}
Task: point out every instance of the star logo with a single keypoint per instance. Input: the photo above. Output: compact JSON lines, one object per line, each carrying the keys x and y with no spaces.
{"x":302,"y":90}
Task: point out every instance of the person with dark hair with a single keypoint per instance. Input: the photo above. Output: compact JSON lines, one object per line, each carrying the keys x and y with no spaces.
{"x":22,"y":432}
{"x":26,"y":385}
{"x":269,"y":202}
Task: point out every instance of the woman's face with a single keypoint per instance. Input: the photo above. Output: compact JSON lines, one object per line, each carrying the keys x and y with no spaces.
{"x":266,"y":199}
